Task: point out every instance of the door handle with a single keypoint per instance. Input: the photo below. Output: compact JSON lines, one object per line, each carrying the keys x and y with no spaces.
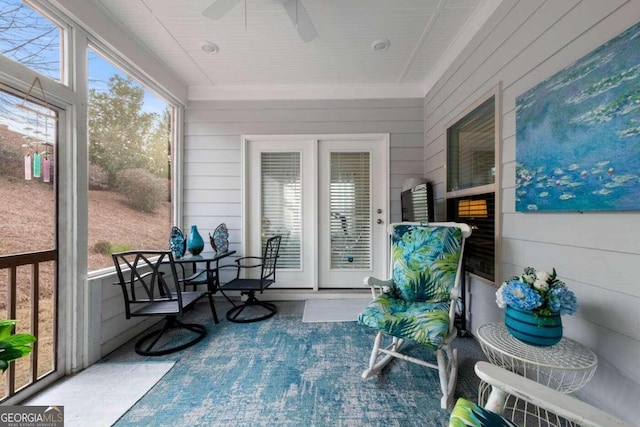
{"x":379,"y":221}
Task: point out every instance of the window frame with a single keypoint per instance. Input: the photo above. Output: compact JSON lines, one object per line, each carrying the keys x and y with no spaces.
{"x":117,"y":61}
{"x":494,"y":188}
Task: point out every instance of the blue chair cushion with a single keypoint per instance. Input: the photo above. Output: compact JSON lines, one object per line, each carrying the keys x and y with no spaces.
{"x":426,"y":323}
{"x":424,"y":261}
{"x":468,"y":414}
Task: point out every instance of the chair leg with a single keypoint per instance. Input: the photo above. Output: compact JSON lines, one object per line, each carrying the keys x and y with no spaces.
{"x":448,"y":372}
{"x":170,"y":323}
{"x":213,"y":308}
{"x":233,"y":313}
{"x":375,"y":362}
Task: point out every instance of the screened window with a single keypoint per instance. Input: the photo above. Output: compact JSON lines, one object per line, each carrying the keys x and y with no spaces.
{"x":31,"y":39}
{"x":130,"y":145}
{"x":281,"y":192}
{"x":350,"y":205}
{"x":479,"y":212}
{"x":471,"y":178}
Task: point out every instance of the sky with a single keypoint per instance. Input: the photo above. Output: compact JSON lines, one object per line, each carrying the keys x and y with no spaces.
{"x":18,"y":22}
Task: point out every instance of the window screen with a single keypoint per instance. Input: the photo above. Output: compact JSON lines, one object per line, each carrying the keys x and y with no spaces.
{"x":479,"y":212}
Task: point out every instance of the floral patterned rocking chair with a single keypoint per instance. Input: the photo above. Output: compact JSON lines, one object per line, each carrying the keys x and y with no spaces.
{"x":418,"y":302}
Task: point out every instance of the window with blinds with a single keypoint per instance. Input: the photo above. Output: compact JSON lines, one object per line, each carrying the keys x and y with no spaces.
{"x":281,"y":201}
{"x":471,"y":160}
{"x":350,"y":209}
{"x":471,"y":149}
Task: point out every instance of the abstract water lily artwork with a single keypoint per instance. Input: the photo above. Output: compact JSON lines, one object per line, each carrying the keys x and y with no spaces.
{"x":578,"y":133}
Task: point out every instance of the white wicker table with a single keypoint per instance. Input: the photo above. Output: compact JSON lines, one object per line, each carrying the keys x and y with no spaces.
{"x":566,"y":366}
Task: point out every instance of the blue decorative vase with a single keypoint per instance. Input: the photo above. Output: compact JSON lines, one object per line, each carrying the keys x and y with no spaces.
{"x":533,"y":328}
{"x":195,"y":244}
{"x":177,"y":243}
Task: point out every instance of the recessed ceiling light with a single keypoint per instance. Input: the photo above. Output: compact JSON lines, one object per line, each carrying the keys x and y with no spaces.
{"x":209,"y":47}
{"x":380,"y":45}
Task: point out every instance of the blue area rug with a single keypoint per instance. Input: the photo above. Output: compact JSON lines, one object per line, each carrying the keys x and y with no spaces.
{"x":282,"y":372}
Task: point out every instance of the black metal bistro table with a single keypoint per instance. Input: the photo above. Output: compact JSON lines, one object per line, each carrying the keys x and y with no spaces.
{"x":209,"y":259}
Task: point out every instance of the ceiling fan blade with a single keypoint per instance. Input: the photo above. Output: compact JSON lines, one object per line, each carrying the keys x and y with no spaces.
{"x":219,"y":8}
{"x":300,"y":19}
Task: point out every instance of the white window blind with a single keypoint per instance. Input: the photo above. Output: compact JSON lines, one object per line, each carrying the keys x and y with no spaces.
{"x":281,"y":200}
{"x":471,"y":149}
{"x":350,"y":207}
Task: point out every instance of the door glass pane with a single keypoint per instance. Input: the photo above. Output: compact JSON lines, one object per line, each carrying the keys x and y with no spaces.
{"x":350,"y":210}
{"x":281,"y":201}
{"x":31,"y":39}
{"x":28,"y":149}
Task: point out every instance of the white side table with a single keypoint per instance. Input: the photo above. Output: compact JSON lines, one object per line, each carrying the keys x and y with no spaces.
{"x":566,"y":366}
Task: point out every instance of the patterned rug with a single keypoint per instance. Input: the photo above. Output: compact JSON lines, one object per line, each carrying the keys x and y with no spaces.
{"x":282,"y":372}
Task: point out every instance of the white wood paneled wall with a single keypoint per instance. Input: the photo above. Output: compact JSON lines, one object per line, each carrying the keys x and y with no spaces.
{"x":212,"y":163}
{"x":597,"y":254}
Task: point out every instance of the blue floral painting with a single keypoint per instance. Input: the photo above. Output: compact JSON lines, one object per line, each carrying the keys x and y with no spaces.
{"x":578,"y":133}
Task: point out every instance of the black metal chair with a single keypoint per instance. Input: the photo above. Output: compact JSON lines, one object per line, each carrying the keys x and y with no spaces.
{"x":151,"y":287}
{"x":249,"y":286}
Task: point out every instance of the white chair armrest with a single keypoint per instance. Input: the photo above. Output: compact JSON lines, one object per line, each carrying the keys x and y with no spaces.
{"x":377,"y":285}
{"x":372,"y":281}
{"x":504,"y":383}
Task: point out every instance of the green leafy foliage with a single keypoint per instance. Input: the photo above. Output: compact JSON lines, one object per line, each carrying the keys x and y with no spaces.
{"x":107,"y":248}
{"x":13,"y":346}
{"x":123,"y":136}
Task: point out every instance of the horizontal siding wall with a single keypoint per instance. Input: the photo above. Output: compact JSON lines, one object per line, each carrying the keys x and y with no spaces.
{"x":212,"y":154}
{"x":107,"y":319}
{"x":522,"y":44}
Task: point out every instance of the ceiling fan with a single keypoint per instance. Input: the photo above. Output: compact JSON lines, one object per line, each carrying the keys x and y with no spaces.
{"x":294,"y":8}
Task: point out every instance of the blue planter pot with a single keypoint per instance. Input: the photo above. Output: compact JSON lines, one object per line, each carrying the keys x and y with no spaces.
{"x":195,"y":244}
{"x":532,"y":328}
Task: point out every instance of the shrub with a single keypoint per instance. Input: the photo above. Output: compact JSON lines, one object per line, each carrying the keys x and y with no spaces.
{"x":11,"y":160}
{"x":143,"y":191}
{"x":120,"y":247}
{"x":98,"y":177}
{"x":105,"y":248}
{"x":102,"y":247}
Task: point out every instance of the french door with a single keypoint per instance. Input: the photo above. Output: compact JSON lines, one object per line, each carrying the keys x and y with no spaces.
{"x":327,"y":195}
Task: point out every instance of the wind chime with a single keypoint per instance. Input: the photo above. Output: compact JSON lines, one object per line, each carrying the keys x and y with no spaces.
{"x":37,"y":157}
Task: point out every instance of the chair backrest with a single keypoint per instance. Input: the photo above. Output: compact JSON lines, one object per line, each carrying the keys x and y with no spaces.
{"x":147,"y":276}
{"x":270,"y":258}
{"x":426,"y":259}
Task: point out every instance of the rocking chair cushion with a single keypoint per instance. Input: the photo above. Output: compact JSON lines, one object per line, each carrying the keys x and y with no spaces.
{"x":468,"y":414}
{"x":425,"y":261}
{"x":426,"y":323}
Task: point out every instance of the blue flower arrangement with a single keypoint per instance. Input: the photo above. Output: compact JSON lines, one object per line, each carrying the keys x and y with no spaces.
{"x":537,"y":291}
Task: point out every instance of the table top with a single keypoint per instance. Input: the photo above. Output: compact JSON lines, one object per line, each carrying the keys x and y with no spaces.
{"x":566,"y":354}
{"x":203,"y":257}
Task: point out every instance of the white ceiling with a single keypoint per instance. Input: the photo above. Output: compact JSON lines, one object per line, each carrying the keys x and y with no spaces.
{"x":269,"y":52}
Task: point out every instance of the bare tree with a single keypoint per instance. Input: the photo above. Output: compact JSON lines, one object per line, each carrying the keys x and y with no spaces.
{"x":30,"y":39}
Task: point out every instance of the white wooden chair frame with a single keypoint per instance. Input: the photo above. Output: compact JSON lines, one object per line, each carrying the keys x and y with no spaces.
{"x":505,"y":383}
{"x":446,"y":356}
